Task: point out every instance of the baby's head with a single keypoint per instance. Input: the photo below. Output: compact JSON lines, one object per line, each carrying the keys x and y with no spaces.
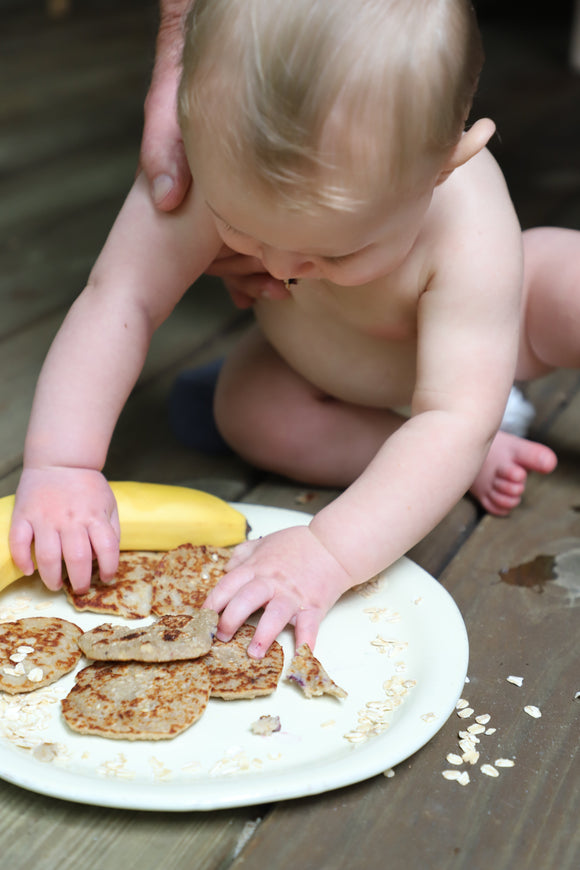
{"x":323,"y":103}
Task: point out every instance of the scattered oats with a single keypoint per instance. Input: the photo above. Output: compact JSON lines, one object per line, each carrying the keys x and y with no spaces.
{"x":490,"y":731}
{"x":12,"y":713}
{"x":35,"y":675}
{"x":356,"y":737}
{"x":205,"y":575}
{"x":45,"y":752}
{"x":462,"y":704}
{"x":577,"y":696}
{"x":400,"y":667}
{"x":517,"y":681}
{"x":389,"y":773}
{"x":10,"y":672}
{"x":428,"y":717}
{"x":504,"y":762}
{"x":450,"y":774}
{"x":409,"y":684}
{"x":19,"y":670}
{"x":489,"y":770}
{"x":390,"y":647}
{"x":452,"y":758}
{"x":418,"y":600}
{"x":471,"y":756}
{"x":17,"y":657}
{"x":466,"y":745}
{"x":465,"y":712}
{"x":463,"y":778}
{"x":533,"y":711}
{"x":467,"y":680}
{"x":25,"y":649}
{"x":463,"y":734}
{"x":476,"y":729}
{"x":483,"y":719}
{"x":159,"y":769}
{"x":214,"y":557}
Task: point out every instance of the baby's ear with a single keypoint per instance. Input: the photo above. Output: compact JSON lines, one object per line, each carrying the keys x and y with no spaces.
{"x":471,"y":143}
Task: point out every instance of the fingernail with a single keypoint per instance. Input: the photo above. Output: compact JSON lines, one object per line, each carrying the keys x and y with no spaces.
{"x":162,"y":185}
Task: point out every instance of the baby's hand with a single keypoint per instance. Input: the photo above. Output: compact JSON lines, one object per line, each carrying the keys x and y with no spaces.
{"x":70,"y":514}
{"x":289,"y":573}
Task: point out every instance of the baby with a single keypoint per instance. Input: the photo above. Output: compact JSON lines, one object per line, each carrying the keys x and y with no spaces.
{"x":327,"y":139}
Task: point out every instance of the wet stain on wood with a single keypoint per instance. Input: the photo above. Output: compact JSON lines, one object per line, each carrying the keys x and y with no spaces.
{"x":531,"y":575}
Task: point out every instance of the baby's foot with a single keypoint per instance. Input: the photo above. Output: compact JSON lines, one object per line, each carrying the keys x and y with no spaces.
{"x":500,"y":484}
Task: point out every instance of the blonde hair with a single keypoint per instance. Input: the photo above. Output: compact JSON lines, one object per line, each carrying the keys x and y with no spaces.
{"x":311,"y":98}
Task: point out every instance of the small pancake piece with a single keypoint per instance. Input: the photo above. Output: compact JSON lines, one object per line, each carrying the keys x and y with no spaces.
{"x":235,"y":675}
{"x":36,"y":651}
{"x":131,"y":593}
{"x":173,"y":637}
{"x":185,"y":576}
{"x":308,"y":673}
{"x":136,"y":701}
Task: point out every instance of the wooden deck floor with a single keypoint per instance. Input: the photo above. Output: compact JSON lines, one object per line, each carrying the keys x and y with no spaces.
{"x":71,"y":95}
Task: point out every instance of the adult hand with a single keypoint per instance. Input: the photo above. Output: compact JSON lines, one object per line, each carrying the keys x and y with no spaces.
{"x":245,"y":278}
{"x":162,"y":157}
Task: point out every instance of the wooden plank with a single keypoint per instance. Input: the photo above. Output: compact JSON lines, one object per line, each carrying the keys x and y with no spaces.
{"x":204,"y":314}
{"x":44,"y":833}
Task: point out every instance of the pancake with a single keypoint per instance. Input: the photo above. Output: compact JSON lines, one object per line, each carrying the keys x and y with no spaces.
{"x":185,"y":576}
{"x":173,"y":637}
{"x":234,"y":675}
{"x":307,"y":672}
{"x":131,"y":593}
{"x":36,"y":651}
{"x":136,"y":701}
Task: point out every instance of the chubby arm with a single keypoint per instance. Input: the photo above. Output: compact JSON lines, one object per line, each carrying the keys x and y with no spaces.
{"x":468,"y":321}
{"x":63,"y":503}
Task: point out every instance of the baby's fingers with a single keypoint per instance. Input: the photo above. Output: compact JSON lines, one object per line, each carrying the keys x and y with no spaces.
{"x":48,"y":555}
{"x":275,"y":618}
{"x":105,"y":544}
{"x":306,"y":627}
{"x":20,"y":543}
{"x":77,"y":553}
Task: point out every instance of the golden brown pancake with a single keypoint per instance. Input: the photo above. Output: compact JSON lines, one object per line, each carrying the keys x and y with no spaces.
{"x":36,"y":651}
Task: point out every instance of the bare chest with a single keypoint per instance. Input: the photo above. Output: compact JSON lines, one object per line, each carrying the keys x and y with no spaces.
{"x":357,"y":343}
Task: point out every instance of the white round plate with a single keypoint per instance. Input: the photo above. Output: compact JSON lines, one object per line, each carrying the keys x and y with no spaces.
{"x":397,"y":645}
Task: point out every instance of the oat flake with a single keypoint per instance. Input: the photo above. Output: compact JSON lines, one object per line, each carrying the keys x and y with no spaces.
{"x":489,"y":770}
{"x":517,"y":681}
{"x":452,"y":758}
{"x":504,"y":762}
{"x":533,"y":711}
{"x":465,"y":713}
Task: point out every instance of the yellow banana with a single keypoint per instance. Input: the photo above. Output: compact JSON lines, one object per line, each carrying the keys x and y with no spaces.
{"x":152,"y":516}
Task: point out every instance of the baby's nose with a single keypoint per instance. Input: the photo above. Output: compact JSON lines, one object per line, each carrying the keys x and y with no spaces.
{"x":286,"y":264}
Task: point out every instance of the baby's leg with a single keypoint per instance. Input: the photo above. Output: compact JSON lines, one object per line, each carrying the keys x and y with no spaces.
{"x":277,"y":420}
{"x":550,"y":339}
